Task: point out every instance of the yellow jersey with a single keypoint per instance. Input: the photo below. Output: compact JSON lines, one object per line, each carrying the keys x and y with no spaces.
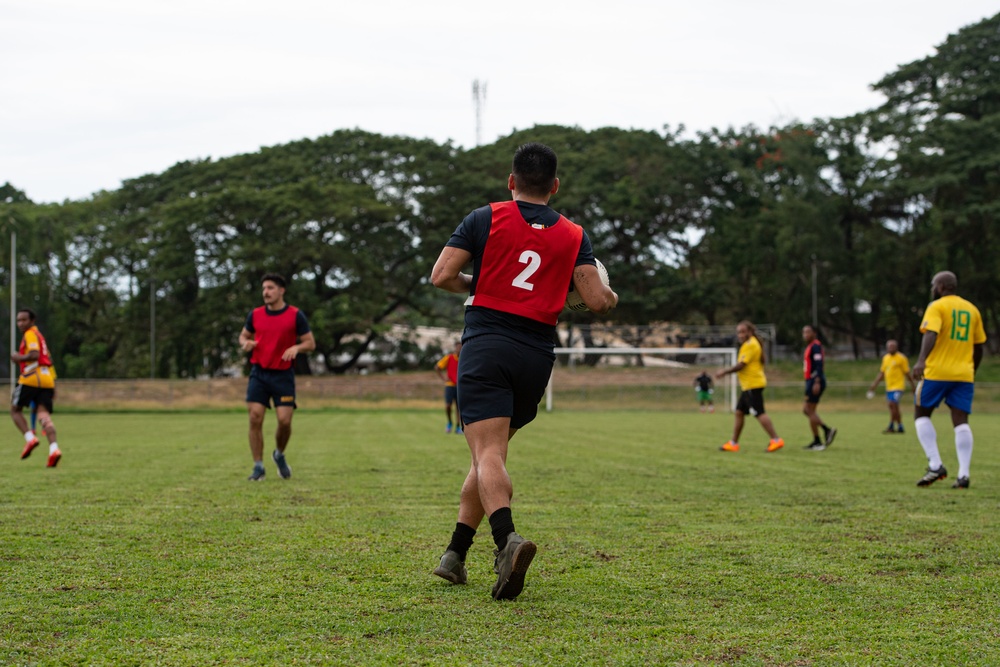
{"x":959,"y":327}
{"x":40,"y":372}
{"x":751,"y":376}
{"x":895,"y":368}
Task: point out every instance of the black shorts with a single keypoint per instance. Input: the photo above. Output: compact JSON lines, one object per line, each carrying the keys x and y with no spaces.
{"x":500,"y":377}
{"x":751,"y":402}
{"x":25,"y":395}
{"x":810,"y":396}
{"x":266,"y":386}
{"x":450,"y":395}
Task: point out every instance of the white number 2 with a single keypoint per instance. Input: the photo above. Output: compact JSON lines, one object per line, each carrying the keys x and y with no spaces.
{"x":533,"y":260}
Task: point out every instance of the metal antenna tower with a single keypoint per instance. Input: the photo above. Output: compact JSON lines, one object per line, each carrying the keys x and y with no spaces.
{"x":479,"y":99}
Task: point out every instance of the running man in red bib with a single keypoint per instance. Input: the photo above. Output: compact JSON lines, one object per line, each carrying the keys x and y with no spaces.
{"x":274,"y":334}
{"x":525,"y":257}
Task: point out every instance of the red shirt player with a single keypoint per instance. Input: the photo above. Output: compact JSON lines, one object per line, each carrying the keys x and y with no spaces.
{"x":274,"y":334}
{"x":525,"y":257}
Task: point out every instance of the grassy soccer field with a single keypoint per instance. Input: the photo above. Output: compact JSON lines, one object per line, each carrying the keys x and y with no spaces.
{"x":147,"y":545}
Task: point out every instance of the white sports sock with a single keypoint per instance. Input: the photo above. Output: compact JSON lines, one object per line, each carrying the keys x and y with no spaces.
{"x":29,"y":435}
{"x":928,"y":440}
{"x":53,"y":447}
{"x":963,"y":447}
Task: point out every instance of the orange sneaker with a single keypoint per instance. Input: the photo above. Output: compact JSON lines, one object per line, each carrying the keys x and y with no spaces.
{"x":775,"y":445}
{"x":28,"y":447}
{"x":730,"y":446}
{"x":54,"y":459}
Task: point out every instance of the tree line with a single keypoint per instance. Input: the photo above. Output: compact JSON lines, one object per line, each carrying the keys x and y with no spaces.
{"x":710,"y":227}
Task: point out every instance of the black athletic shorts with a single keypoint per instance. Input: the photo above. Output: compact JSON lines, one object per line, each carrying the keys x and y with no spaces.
{"x":25,"y":395}
{"x":500,"y":377}
{"x":267,"y":385}
{"x":751,"y":402}
{"x":450,"y":394}
{"x":810,"y":396}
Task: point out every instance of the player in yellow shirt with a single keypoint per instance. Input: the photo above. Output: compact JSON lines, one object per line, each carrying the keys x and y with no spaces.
{"x":950,"y":352}
{"x":895,"y":370}
{"x":749,"y":371}
{"x":447,"y":371}
{"x":37,"y":384}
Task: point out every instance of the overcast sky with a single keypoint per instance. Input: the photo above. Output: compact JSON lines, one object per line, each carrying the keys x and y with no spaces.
{"x":98,"y":91}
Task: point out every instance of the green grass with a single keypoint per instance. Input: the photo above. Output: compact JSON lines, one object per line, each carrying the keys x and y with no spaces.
{"x":147,"y":545}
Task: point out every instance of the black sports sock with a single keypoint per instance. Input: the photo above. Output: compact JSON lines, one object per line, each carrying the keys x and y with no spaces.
{"x":461,"y":539}
{"x":502,"y":525}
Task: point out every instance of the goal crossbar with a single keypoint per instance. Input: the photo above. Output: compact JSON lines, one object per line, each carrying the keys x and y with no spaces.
{"x":728,"y":355}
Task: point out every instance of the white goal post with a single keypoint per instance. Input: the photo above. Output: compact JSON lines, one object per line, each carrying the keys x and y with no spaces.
{"x":725,"y":355}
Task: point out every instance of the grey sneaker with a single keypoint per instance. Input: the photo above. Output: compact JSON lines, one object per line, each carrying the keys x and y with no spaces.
{"x":257,"y":475}
{"x":452,"y":568}
{"x":283,"y":469}
{"x":511,"y":564}
{"x":932,"y":476}
{"x":830,"y":435}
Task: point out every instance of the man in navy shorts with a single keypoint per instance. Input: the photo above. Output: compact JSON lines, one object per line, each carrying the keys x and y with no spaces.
{"x":525,"y":257}
{"x":274,"y":334}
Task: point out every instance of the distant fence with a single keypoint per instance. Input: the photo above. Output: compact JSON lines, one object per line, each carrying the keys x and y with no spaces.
{"x":573,"y":390}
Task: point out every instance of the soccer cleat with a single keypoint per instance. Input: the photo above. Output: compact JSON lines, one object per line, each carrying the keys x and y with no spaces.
{"x":257,"y":475}
{"x":447,"y":429}
{"x":890,"y":430}
{"x":459,"y":431}
{"x":28,"y":447}
{"x":511,"y":564}
{"x":816,"y":446}
{"x":730,"y":446}
{"x":452,"y":568}
{"x":283,"y":468}
{"x":54,"y":459}
{"x":774,"y":445}
{"x":932,"y":476}
{"x":961,"y":483}
{"x":830,"y":435}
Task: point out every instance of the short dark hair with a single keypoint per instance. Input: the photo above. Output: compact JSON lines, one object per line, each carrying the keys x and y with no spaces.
{"x":534,"y":169}
{"x":31,"y":313}
{"x":275,"y":278}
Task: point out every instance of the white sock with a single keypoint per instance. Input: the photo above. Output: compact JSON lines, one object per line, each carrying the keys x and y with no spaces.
{"x":29,"y":435}
{"x":963,"y":447}
{"x":53,"y":447}
{"x":928,"y":440}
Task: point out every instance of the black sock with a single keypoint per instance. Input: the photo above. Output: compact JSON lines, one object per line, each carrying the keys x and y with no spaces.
{"x":461,"y":539}
{"x":502,"y":525}
{"x":826,"y":429}
{"x":816,"y":440}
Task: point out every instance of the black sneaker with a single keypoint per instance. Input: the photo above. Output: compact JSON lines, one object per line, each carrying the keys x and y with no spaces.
{"x":830,"y":435}
{"x":961,"y":483}
{"x":283,"y":469}
{"x":816,"y":446}
{"x":511,"y":564}
{"x":932,"y":476}
{"x":257,"y":475}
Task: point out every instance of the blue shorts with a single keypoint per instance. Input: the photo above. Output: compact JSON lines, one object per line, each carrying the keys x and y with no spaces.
{"x":450,"y":394}
{"x":266,"y":386}
{"x":956,"y":395}
{"x":500,"y":377}
{"x":893,"y":396}
{"x":810,"y":383}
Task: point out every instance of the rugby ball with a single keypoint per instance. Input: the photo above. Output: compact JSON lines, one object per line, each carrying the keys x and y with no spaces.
{"x":573,"y":300}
